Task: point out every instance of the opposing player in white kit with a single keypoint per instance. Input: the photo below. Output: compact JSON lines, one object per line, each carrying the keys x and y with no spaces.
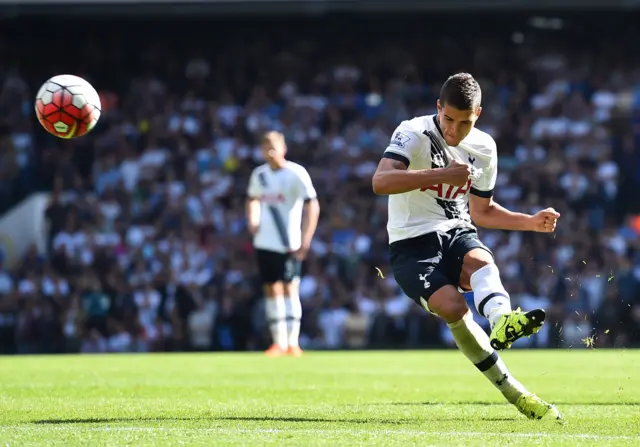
{"x":279,"y":193}
{"x":439,"y":172}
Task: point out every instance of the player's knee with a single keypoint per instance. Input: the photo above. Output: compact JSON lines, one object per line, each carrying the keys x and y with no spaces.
{"x":454,"y":311}
{"x":472,"y":262}
{"x":273,"y":290}
{"x":448,"y":304}
{"x":291,"y":288}
{"x":268,"y":291}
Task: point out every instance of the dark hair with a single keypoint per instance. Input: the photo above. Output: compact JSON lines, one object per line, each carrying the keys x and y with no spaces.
{"x":461,"y":91}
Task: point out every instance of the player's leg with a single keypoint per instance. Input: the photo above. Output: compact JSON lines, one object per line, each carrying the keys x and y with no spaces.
{"x":480,"y":274}
{"x":450,"y":305}
{"x":293,"y":305}
{"x":472,"y":262}
{"x":419,"y":269}
{"x":473,"y":342}
{"x":271,"y":266}
{"x":276,"y":317}
{"x":294,"y":316}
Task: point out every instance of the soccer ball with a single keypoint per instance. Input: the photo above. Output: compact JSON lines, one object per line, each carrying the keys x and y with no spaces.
{"x":67,"y":106}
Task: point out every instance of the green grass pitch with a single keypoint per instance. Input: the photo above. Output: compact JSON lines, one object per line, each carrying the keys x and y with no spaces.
{"x":343,"y":398}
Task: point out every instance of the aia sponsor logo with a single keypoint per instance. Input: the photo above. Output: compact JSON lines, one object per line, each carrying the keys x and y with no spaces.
{"x":449,"y":192}
{"x":272,"y":199}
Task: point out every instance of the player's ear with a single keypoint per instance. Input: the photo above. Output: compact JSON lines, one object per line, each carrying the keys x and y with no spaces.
{"x":438,"y":106}
{"x":478,"y":111}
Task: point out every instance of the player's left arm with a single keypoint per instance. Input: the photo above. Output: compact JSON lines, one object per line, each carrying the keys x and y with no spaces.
{"x":487,"y":213}
{"x":311,"y":212}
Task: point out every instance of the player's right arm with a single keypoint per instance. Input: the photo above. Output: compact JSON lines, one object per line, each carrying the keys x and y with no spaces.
{"x":393,"y":175}
{"x":253,"y":204}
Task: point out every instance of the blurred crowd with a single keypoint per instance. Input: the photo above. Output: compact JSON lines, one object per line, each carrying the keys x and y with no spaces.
{"x":148,"y":248}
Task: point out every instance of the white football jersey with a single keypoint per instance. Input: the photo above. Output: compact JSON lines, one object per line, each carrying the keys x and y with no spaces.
{"x":282,"y":194}
{"x":439,"y":208}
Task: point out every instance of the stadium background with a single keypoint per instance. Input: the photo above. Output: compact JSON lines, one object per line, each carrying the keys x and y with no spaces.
{"x":146,"y":246}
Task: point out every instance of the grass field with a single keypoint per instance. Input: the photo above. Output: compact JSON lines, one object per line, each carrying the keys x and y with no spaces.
{"x":347,"y":398}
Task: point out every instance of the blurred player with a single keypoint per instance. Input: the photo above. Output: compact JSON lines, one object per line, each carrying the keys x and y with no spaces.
{"x":279,"y":193}
{"x":439,"y":172}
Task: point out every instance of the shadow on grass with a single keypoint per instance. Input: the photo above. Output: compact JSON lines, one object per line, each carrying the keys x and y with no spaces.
{"x":286,"y":419}
{"x":107,"y":420}
{"x":344,"y":421}
{"x":297,"y":419}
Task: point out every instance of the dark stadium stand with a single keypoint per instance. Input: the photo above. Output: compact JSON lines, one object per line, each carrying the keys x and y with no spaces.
{"x":148,"y":248}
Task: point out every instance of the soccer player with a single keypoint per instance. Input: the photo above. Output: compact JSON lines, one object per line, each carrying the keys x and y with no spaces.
{"x":439,"y":172}
{"x":279,"y":193}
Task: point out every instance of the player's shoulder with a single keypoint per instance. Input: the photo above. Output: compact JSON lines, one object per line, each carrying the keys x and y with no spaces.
{"x":481,"y":142}
{"x":417,"y":125}
{"x":411,"y":132}
{"x":296,"y":169}
{"x":260,"y":168}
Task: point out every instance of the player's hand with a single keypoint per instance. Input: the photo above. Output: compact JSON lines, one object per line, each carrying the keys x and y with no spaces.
{"x":545,"y":221}
{"x":301,"y":253}
{"x":253,"y":229}
{"x":457,"y":173}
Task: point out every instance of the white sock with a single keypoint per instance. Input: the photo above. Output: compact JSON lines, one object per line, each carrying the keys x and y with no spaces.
{"x":294,"y":314}
{"x":490,"y":297}
{"x":473,"y":342}
{"x":276,"y":317}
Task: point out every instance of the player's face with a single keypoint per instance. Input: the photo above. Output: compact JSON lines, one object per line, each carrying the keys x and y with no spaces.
{"x":273,"y":148}
{"x":455,"y":123}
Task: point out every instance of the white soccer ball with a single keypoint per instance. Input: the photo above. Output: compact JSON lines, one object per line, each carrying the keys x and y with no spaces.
{"x":67,"y":106}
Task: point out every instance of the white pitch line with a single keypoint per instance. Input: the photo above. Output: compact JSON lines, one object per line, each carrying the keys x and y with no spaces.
{"x":312,"y":431}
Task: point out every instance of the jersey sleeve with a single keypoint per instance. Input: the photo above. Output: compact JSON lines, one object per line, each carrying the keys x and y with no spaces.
{"x":484,"y":185}
{"x":404,"y":145}
{"x":305,"y":185}
{"x":254,"y":189}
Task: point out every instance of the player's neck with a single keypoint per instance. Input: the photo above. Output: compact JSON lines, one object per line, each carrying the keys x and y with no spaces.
{"x":276,"y":165}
